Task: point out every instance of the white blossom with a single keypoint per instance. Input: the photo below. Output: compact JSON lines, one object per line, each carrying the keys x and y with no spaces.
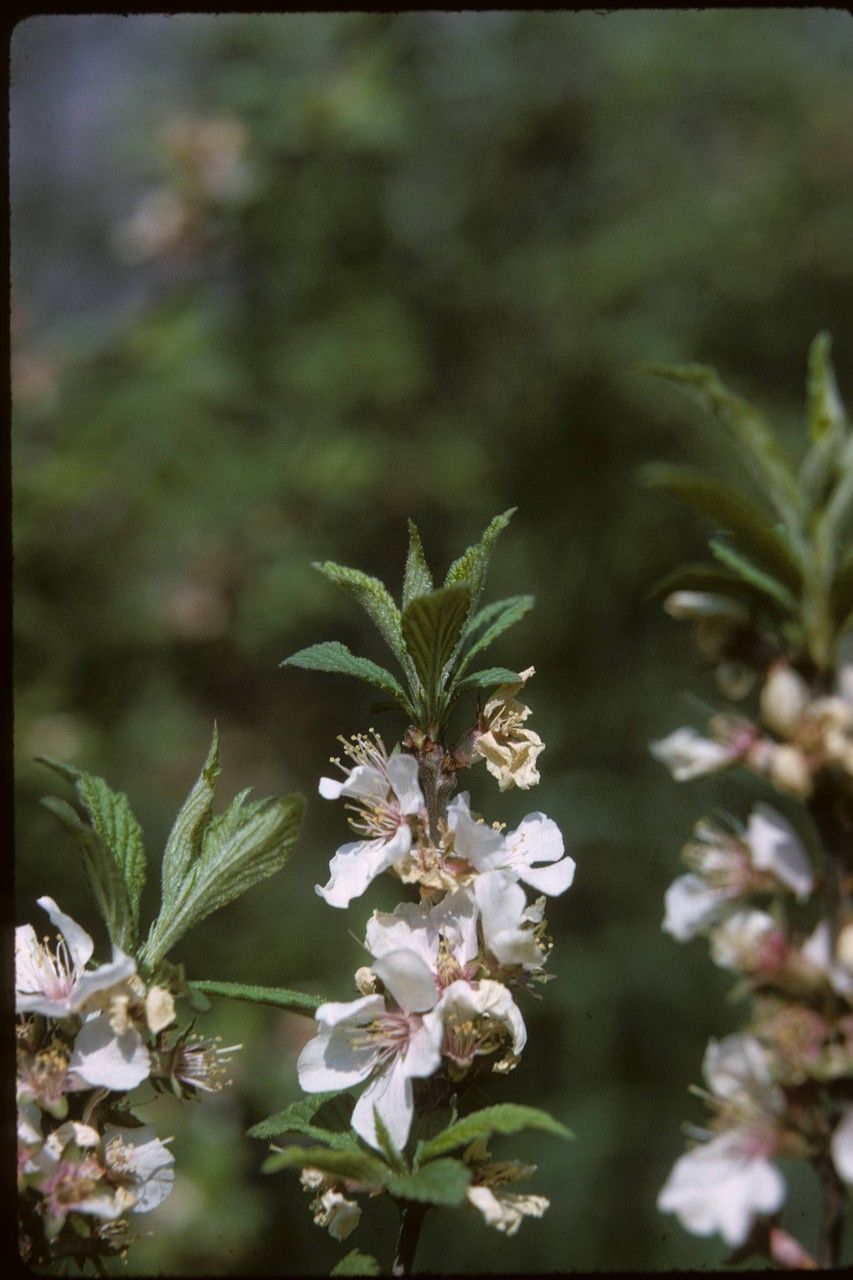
{"x":775,"y":847}
{"x":687,"y":754}
{"x":386,"y":793}
{"x":503,"y":908}
{"x":142,"y":1163}
{"x":56,"y":983}
{"x":106,"y":1060}
{"x":535,"y":841}
{"x":504,"y":1210}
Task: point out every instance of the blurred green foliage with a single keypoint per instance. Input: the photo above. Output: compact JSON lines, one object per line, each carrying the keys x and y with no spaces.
{"x":453,"y":237}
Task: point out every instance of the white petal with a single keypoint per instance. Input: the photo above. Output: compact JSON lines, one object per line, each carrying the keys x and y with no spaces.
{"x":691,"y":905}
{"x":331,"y":1061}
{"x":455,"y":918}
{"x":403,"y":772}
{"x":391,"y":1094}
{"x":410,"y":981}
{"x":842,"y":1146}
{"x":363,"y":783}
{"x":101,"y":979}
{"x":552,"y":880}
{"x":150,"y":1163}
{"x":482,"y":846}
{"x":335,"y":1013}
{"x":776,"y":847}
{"x":355,"y":865}
{"x":490,"y":999}
{"x":80,"y":945}
{"x":409,"y":927}
{"x":423,"y":1055}
{"x":688,"y":755}
{"x":738,"y":1065}
{"x":102,"y":1058}
{"x":502,"y":904}
{"x":717,"y":1188}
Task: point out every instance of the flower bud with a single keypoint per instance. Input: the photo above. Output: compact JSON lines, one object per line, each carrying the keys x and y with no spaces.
{"x":365,"y":981}
{"x":789,"y":770}
{"x":784,"y":698}
{"x":159,"y":1009}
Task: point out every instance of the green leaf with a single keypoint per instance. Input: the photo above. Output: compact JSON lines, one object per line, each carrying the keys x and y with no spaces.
{"x":753,"y":575}
{"x":356,"y":1264}
{"x":470,"y":568}
{"x":279,"y":997}
{"x":708,"y":577}
{"x":731,"y":513}
{"x":244,"y":845}
{"x":506,"y":613}
{"x":331,"y":1111}
{"x":184,"y":842}
{"x":432,"y":626}
{"x":441,"y":1182}
{"x":488,"y":678}
{"x":842,"y":587}
{"x":507,"y":1117}
{"x":103,"y":873}
{"x":333,"y":1140}
{"x":753,"y":437}
{"x":375,"y":599}
{"x":113,"y":819}
{"x":342,"y":1164}
{"x":825,"y":410}
{"x":417,"y":580}
{"x":335,"y":657}
{"x":386,"y":1143}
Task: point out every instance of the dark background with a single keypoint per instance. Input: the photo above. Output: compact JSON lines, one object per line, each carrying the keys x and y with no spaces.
{"x":414,"y":273}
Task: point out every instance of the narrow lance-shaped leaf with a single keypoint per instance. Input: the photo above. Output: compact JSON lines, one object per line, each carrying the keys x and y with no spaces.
{"x":431,"y":626}
{"x":376,"y":600}
{"x":505,"y":616}
{"x":754,"y":438}
{"x":417,"y":580}
{"x":750,"y":527}
{"x":278,"y":997}
{"x":486,"y":679}
{"x":334,"y":657}
{"x":342,"y":1164}
{"x":827,"y":425}
{"x":184,"y":842}
{"x":470,"y":568}
{"x":102,"y":871}
{"x":708,"y":577}
{"x":113,"y":819}
{"x":507,"y":1117}
{"x":753,"y":575}
{"x":240,"y":848}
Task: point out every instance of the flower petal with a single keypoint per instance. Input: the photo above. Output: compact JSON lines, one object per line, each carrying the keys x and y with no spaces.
{"x":149,"y":1162}
{"x":403,"y":772}
{"x":410,"y":981}
{"x":80,"y":945}
{"x":776,"y":847}
{"x":691,"y":905}
{"x":355,"y":865}
{"x":109,"y":1061}
{"x":391,"y":1094}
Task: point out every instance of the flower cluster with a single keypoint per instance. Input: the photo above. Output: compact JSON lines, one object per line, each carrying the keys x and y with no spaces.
{"x":86,"y":1037}
{"x":437,"y":1004}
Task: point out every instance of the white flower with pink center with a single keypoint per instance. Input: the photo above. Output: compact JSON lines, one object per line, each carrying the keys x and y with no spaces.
{"x":363,"y":1040}
{"x":384,"y":795}
{"x":722,"y":1185}
{"x":55,"y":981}
{"x":750,"y":941}
{"x":533,"y":852}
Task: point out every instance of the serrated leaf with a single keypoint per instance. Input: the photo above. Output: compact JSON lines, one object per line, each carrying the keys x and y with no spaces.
{"x":332,"y":656}
{"x":238,"y":850}
{"x":753,"y":437}
{"x":102,"y":871}
{"x":184,"y":842}
{"x":417,"y":579}
{"x":731,"y":513}
{"x":490,"y":677}
{"x":302,"y":1112}
{"x":356,"y":1264}
{"x":442,"y":1182}
{"x":753,"y":575}
{"x":375,"y":599}
{"x":343,"y":1164}
{"x":432,"y":626}
{"x":333,"y":1140}
{"x":470,"y":568}
{"x":505,"y":616}
{"x":278,"y":997}
{"x":507,"y":1117}
{"x":114,"y":821}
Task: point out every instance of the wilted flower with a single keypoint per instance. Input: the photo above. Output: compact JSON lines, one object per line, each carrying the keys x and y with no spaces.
{"x":509,"y":750}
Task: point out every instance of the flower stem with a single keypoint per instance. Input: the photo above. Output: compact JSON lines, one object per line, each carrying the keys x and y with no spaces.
{"x":833,"y":1197}
{"x":411,"y":1221}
